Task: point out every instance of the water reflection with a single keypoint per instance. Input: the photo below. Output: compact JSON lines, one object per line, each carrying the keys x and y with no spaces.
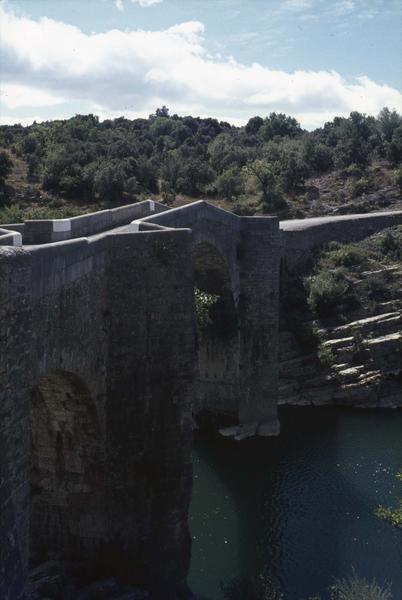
{"x":302,"y":503}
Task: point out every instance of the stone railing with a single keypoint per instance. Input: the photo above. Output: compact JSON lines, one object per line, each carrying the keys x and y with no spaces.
{"x":46,"y":231}
{"x":300,"y":236}
{"x":8,"y":237}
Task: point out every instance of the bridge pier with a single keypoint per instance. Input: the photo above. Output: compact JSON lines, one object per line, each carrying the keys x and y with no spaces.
{"x":149,"y":421}
{"x":259,"y":264}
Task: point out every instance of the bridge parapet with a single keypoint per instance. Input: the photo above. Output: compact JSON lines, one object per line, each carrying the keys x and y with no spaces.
{"x":45,"y":231}
{"x":300,"y":236}
{"x":9,"y":237}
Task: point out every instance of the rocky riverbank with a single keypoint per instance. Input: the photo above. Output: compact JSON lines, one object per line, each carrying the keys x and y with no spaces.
{"x":352,"y":354}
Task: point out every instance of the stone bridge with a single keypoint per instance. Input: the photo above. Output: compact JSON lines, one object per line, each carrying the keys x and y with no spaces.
{"x":103,"y":371}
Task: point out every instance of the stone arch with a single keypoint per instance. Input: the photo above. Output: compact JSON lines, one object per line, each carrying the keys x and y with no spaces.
{"x":66,"y":470}
{"x":218,"y":340}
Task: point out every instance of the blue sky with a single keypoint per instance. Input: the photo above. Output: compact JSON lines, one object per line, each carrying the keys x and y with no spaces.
{"x":230,"y":59}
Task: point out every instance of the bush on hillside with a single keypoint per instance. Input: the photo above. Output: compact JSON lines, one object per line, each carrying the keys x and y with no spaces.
{"x":327,"y":290}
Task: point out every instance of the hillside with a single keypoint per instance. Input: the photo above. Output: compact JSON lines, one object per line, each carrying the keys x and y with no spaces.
{"x":269,"y":166}
{"x":341,"y":327}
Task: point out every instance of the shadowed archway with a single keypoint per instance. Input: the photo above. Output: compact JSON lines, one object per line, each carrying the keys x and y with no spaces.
{"x":218,"y":338}
{"x":66,"y":470}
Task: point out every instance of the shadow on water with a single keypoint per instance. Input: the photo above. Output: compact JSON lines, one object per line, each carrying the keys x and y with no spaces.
{"x":300,"y":505}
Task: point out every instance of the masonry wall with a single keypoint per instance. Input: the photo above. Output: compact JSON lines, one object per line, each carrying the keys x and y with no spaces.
{"x":152,"y":361}
{"x":116,"y":314}
{"x":14,"y":486}
{"x":259,"y":301}
{"x":251,"y":249}
{"x":50,"y":300}
{"x":45,"y":231}
{"x":299,"y":237}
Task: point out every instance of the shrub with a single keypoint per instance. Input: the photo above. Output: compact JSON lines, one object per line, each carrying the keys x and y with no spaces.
{"x":203,"y":305}
{"x":390,"y":246}
{"x":325,"y":356}
{"x":360,"y":187}
{"x":398,"y":178}
{"x":392,"y":515}
{"x":327,"y":290}
{"x":358,"y":588}
{"x":376,"y":287}
{"x":16,"y":214}
{"x":347,"y":256}
{"x":230,"y":183}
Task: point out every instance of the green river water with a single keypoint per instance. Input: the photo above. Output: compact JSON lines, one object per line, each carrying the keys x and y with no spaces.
{"x":300,"y":505}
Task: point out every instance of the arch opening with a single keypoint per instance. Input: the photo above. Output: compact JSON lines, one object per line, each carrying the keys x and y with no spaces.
{"x":66,"y":470}
{"x":217,"y":332}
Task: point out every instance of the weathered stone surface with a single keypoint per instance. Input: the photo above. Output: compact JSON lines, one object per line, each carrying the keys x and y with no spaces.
{"x":97,"y":366}
{"x":61,"y":317}
{"x":376,"y":383}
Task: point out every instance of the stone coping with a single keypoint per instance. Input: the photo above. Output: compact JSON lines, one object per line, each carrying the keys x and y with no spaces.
{"x":8,"y":237}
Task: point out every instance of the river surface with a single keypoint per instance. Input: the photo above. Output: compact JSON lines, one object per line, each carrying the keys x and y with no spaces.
{"x":300,"y":505}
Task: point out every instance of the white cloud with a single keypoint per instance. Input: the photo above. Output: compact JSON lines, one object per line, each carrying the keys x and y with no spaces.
{"x":146,"y":3}
{"x":132,"y":72}
{"x":16,"y":96}
{"x":344,"y":6}
{"x":299,"y":5}
{"x":7,"y":119}
{"x":143,"y":3}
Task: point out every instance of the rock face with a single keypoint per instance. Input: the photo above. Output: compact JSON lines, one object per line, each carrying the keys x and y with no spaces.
{"x":365,"y":370}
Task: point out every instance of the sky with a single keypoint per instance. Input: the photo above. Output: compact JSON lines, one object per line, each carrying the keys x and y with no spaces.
{"x":228,"y":59}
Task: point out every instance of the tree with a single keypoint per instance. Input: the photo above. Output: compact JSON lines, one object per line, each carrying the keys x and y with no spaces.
{"x":264,"y":174}
{"x":254,"y":125}
{"x":230,"y":183}
{"x":279,"y":125}
{"x":394,"y":153}
{"x":355,"y":139}
{"x":110,"y":179}
{"x":162,"y":112}
{"x":287,"y":157}
{"x":170,"y":169}
{"x":6,"y":166}
{"x":226,"y":151}
{"x":388,"y":121}
{"x":317,"y":155}
{"x":195,"y":174}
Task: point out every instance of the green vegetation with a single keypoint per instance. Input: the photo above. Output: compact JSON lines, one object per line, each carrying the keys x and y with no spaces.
{"x":6,"y":164}
{"x":269,"y":165}
{"x":203,"y":305}
{"x":327,"y":290}
{"x":325,"y":356}
{"x":358,"y":588}
{"x":17,"y":214}
{"x":355,"y":277}
{"x":392,"y":515}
